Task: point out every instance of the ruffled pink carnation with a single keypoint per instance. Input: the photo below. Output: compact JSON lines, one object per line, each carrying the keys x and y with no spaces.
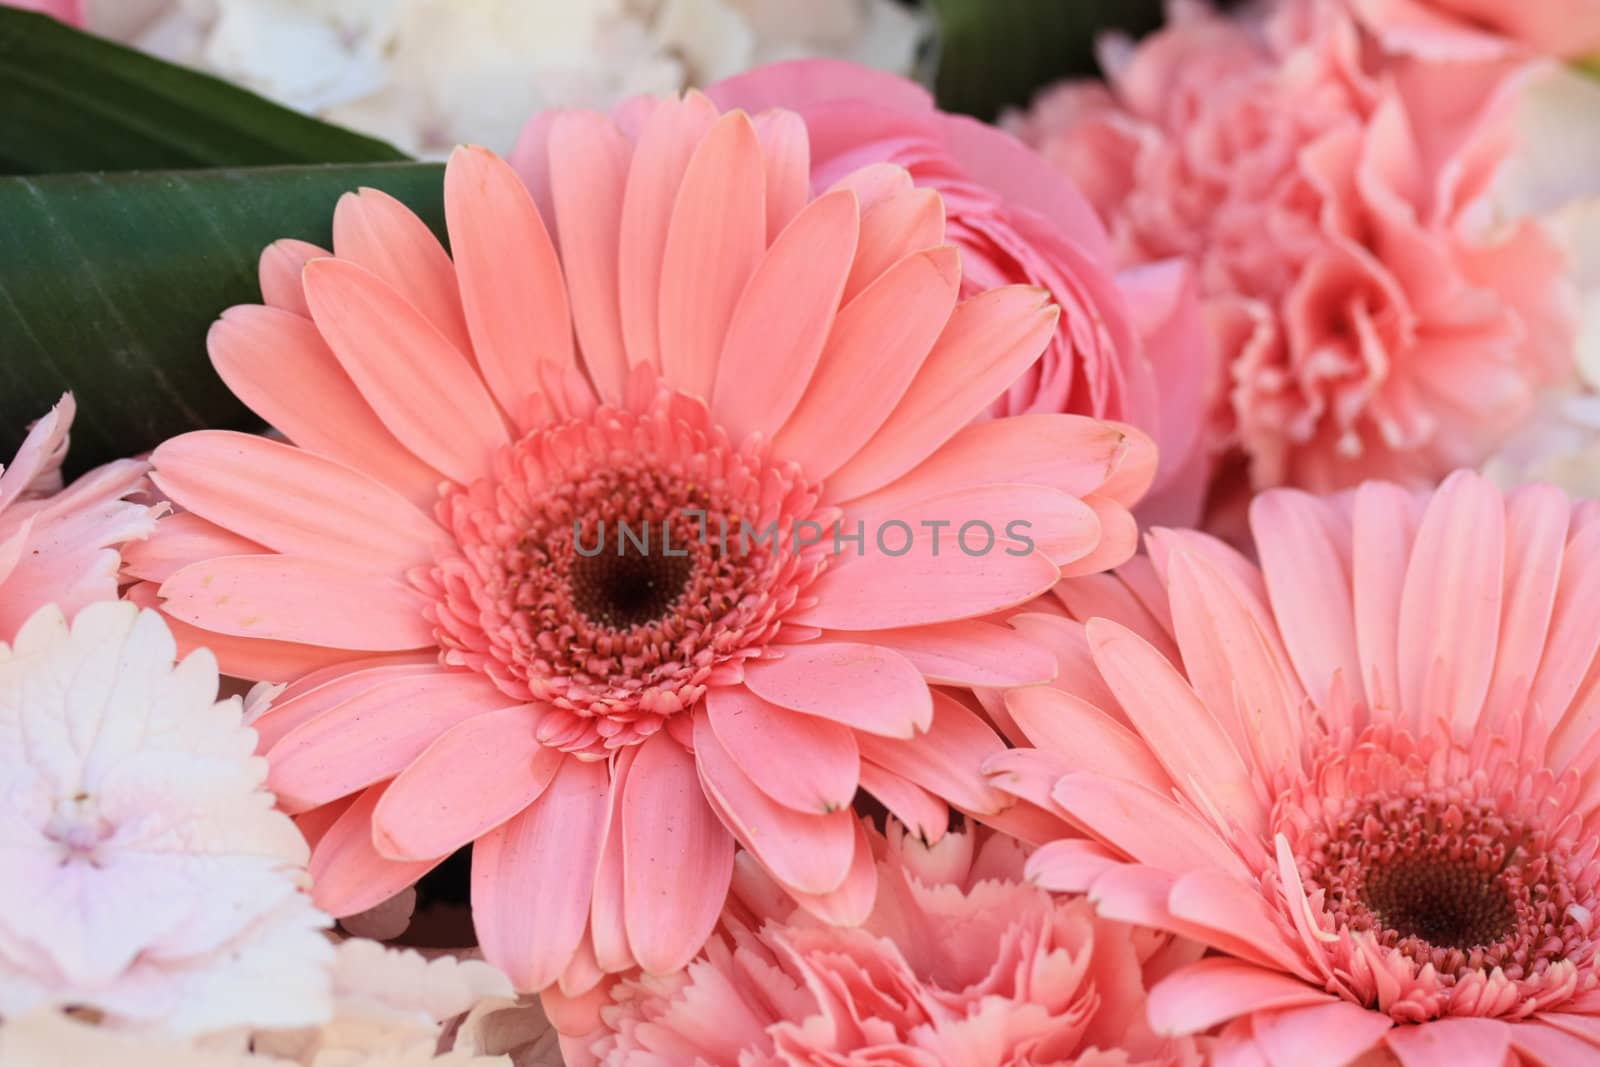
{"x":961,"y":964}
{"x":58,"y":545}
{"x":1015,"y":222}
{"x":1373,"y":320}
{"x":1478,"y":28}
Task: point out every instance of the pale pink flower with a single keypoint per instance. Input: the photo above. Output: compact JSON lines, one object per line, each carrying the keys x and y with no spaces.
{"x":704,"y":336}
{"x":962,"y":963}
{"x":59,"y":545}
{"x":1374,"y":320}
{"x":1016,"y":220}
{"x":1476,"y":29}
{"x":1362,"y":772}
{"x":68,"y":11}
{"x":146,"y":873}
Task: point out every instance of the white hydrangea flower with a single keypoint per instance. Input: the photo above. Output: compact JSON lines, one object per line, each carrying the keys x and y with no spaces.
{"x":428,"y":74}
{"x":146,"y":874}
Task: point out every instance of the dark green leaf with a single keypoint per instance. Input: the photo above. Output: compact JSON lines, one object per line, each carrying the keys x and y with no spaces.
{"x":108,"y":284}
{"x":995,"y":54}
{"x":70,"y":101}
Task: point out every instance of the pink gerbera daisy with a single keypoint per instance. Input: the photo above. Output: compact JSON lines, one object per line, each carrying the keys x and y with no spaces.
{"x":1364,"y":772}
{"x":685,"y":341}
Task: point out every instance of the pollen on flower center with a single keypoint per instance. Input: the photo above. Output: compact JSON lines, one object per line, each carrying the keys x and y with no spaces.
{"x":616,"y":564}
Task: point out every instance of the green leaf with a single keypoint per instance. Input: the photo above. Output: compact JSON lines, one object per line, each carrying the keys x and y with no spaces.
{"x":108,"y":284}
{"x":995,"y":54}
{"x":70,"y":101}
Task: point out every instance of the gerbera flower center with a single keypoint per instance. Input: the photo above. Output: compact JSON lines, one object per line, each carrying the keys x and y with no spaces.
{"x":615,"y":563}
{"x":1449,"y":904}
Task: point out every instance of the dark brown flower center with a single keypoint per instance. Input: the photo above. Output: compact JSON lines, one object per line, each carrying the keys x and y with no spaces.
{"x":1448,"y":904}
{"x":633,"y":578}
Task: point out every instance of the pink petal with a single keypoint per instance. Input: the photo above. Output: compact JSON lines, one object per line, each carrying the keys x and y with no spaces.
{"x":347,"y":874}
{"x":374,"y":230}
{"x":988,"y":341}
{"x":1070,"y":865}
{"x":283,"y":370}
{"x":714,"y":241}
{"x":532,"y":877}
{"x":608,"y":925}
{"x":1384,"y":526}
{"x":924,"y":814}
{"x":1212,"y":991}
{"x":801,"y":761}
{"x":1570,"y":646}
{"x":1230,"y":915}
{"x":1460,"y":1042}
{"x":895,"y":227}
{"x":786,"y":152}
{"x":470,"y":779}
{"x":279,"y":271}
{"x":970,"y":652}
{"x":1323,"y":1035}
{"x":677,"y":858}
{"x":776,"y":334}
{"x":588,"y":172}
{"x":423,"y":389}
{"x":184,"y":539}
{"x":300,"y":703}
{"x":373,"y":735}
{"x":862,"y":686}
{"x":1450,"y":605}
{"x":307,"y":601}
{"x":809,"y":853}
{"x":1083,"y":736}
{"x":947,"y":759}
{"x":294,"y":501}
{"x":851,"y":903}
{"x":660,"y":157}
{"x":1146,"y":825}
{"x":512,"y":291}
{"x":1537,"y":517}
{"x":878,"y":342}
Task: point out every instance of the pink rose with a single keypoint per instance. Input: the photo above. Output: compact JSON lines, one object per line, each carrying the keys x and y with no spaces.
{"x":1467,"y":28}
{"x":1017,"y":221}
{"x":1373,"y":319}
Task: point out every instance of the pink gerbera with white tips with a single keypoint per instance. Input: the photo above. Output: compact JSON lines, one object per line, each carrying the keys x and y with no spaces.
{"x":1364,"y":772}
{"x":672,"y":334}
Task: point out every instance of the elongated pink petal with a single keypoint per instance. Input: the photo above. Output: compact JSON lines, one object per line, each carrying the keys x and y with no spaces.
{"x":374,"y":735}
{"x":306,"y":601}
{"x":865,"y":687}
{"x":376,"y":231}
{"x":1322,"y":1035}
{"x":512,"y":290}
{"x":714,"y":241}
{"x":988,"y":341}
{"x":877,"y":344}
{"x":184,"y":539}
{"x":786,"y":152}
{"x":283,"y":370}
{"x":851,"y":903}
{"x":347,"y":873}
{"x":1070,"y":865}
{"x":1179,"y":728}
{"x":1460,"y":1042}
{"x":1211,"y":991}
{"x":677,"y":858}
{"x":299,"y":703}
{"x":947,"y":759}
{"x":423,"y":389}
{"x":776,"y":334}
{"x":808,"y":853}
{"x":924,"y":814}
{"x":970,"y":652}
{"x":1066,"y":452}
{"x":473,"y":777}
{"x":608,"y":924}
{"x":1450,"y":605}
{"x":529,"y":911}
{"x":294,"y":501}
{"x":1146,"y":825}
{"x":895,"y":227}
{"x":1536,"y":532}
{"x":1545,"y":1046}
{"x":1571,"y":644}
{"x":588,"y":171}
{"x":1084,"y":736}
{"x":802,"y":761}
{"x":660,"y":156}
{"x":1384,"y":523}
{"x":1230,"y":915}
{"x":279,"y":271}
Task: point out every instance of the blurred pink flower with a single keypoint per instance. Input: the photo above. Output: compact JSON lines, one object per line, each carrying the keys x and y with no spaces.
{"x":146,"y":874}
{"x":68,"y":11}
{"x":1362,"y":772}
{"x":1468,"y":29}
{"x":962,"y":963}
{"x":1016,"y":221}
{"x":1373,"y":319}
{"x":57,"y":545}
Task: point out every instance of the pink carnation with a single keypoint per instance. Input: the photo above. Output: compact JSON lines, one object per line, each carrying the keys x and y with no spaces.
{"x":961,"y":964}
{"x":1372,"y":319}
{"x":1015,"y":222}
{"x":57,"y":545}
{"x":1468,"y":28}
